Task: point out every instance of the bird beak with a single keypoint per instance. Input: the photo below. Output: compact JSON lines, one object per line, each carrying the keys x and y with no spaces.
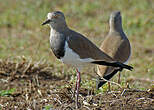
{"x":46,"y":22}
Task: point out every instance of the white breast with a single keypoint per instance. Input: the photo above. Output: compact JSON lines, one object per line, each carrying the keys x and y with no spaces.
{"x":73,"y":59}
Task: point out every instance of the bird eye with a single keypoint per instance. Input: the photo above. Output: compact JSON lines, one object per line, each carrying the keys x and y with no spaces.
{"x":55,"y":16}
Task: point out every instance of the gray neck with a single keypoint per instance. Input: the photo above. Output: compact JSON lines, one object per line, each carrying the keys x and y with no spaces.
{"x":59,"y":27}
{"x":116,"y":26}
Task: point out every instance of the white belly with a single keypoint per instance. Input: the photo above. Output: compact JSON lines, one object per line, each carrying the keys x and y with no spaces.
{"x":73,"y":59}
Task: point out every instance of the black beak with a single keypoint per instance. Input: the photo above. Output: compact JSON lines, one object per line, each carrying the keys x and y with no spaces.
{"x":46,"y":22}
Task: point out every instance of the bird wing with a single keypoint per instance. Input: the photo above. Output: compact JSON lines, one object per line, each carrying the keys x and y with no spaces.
{"x":119,"y":50}
{"x":85,"y":48}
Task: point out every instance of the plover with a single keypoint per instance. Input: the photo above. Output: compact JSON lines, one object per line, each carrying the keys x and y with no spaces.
{"x":116,"y":45}
{"x":74,"y":49}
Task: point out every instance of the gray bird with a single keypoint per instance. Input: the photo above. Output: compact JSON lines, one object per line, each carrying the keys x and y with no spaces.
{"x":74,"y":49}
{"x":116,"y":45}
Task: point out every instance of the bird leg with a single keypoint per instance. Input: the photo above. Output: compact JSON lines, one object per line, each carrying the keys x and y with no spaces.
{"x":119,"y":75}
{"x":76,"y":83}
{"x":77,"y":86}
{"x":109,"y":86}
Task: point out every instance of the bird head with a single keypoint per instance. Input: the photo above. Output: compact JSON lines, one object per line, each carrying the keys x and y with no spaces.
{"x":55,"y":19}
{"x":115,"y":17}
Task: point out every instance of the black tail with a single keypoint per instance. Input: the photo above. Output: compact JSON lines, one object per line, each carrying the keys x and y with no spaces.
{"x":100,"y":82}
{"x":113,"y":64}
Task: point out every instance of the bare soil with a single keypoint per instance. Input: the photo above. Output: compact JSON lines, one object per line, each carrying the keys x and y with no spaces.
{"x":36,"y":87}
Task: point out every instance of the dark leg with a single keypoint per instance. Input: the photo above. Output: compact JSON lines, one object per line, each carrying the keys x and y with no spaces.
{"x":77,"y":87}
{"x":119,"y":80}
{"x":109,"y":86}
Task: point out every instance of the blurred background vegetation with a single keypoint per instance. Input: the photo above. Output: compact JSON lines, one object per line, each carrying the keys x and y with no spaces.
{"x":21,"y":33}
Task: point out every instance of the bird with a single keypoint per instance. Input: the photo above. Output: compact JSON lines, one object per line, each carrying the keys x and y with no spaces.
{"x":74,"y":49}
{"x":116,"y":45}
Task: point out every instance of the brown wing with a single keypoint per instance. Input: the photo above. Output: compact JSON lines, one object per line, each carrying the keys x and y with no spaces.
{"x":118,"y":48}
{"x":85,"y":48}
{"x":123,"y":52}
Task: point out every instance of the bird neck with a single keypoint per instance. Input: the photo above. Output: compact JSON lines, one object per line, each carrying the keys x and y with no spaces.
{"x":116,"y":26}
{"x":59,"y":27}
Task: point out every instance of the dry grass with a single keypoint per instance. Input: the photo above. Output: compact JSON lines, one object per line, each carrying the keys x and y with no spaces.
{"x":30,"y":85}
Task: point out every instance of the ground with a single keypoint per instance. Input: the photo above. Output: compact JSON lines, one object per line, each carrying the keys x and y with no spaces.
{"x":32,"y":78}
{"x":35,"y":86}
